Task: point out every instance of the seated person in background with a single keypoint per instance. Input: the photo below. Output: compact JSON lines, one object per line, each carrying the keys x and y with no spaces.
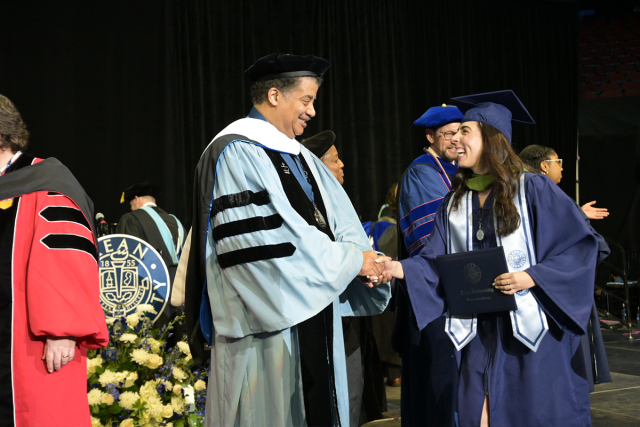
{"x":544,"y":160}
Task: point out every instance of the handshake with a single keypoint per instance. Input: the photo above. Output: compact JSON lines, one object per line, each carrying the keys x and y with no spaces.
{"x":375,"y":269}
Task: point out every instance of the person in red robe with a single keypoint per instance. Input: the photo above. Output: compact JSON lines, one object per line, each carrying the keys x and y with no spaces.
{"x":50,"y":311}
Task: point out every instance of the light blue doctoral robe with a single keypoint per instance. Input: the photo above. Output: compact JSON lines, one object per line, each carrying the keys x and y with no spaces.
{"x":255,"y":375}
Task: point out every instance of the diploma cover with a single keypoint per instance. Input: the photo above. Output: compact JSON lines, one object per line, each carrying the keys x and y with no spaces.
{"x":467,"y":278}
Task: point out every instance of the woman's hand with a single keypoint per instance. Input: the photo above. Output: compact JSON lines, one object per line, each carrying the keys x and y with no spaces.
{"x":58,"y":351}
{"x":510,"y":283}
{"x":391,"y":268}
{"x":371,"y":280}
{"x":594,"y":213}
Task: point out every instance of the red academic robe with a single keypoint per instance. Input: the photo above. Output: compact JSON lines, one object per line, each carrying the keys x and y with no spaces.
{"x":54,"y":284}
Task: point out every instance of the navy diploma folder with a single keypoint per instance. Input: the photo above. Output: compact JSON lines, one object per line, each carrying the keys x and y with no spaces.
{"x":467,"y":278}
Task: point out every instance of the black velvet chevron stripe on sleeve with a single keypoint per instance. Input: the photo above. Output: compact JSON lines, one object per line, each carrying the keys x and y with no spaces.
{"x":64,"y":214}
{"x":258,"y":253}
{"x":236,"y":200}
{"x":69,"y":242}
{"x":249,"y":225}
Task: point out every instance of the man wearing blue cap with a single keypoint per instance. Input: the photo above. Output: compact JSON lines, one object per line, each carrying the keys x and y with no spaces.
{"x":429,"y":375}
{"x":278,"y":246}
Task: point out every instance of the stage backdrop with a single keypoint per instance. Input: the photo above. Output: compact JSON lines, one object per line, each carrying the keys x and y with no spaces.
{"x":610,"y":166}
{"x":128,"y":91}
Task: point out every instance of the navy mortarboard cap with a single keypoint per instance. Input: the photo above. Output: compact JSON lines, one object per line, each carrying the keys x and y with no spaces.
{"x":281,"y":65}
{"x":438,"y":116}
{"x":321,"y":143}
{"x":497,"y":109}
{"x":143,"y":189}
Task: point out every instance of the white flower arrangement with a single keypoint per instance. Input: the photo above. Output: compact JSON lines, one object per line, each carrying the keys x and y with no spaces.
{"x":136,"y":381}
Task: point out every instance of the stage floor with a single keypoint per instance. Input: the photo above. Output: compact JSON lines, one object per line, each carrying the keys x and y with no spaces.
{"x":612,"y":404}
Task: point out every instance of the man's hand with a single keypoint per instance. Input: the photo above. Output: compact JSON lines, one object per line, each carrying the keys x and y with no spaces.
{"x":58,"y":351}
{"x":369,"y":265}
{"x":594,"y":213}
{"x":390,"y":269}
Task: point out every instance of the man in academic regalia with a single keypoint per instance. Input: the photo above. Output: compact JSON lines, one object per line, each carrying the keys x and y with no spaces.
{"x":147,"y":221}
{"x":161,"y":230}
{"x":427,"y":355}
{"x":277,"y":246}
{"x":50,"y":311}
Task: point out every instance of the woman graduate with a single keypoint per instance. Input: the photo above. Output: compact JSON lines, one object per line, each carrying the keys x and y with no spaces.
{"x":523,"y":367}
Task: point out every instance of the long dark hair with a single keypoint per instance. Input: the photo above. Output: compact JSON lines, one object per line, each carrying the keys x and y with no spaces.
{"x":506,"y":168}
{"x":533,"y":155}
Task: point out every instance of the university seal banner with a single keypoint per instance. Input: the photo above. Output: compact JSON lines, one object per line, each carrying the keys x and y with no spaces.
{"x":131,"y":273}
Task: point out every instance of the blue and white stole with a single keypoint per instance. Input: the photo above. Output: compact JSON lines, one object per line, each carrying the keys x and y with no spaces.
{"x":165,"y":233}
{"x":529,"y":322}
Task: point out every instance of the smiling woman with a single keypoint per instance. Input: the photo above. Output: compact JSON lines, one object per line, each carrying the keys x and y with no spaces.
{"x":483,"y":149}
{"x":512,"y":363}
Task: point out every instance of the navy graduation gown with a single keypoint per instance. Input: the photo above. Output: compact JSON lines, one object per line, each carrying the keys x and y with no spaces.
{"x":544,"y":388}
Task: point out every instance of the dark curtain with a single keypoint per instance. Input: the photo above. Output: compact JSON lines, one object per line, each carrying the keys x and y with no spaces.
{"x":610,"y":165}
{"x":126,"y":91}
{"x":390,"y":62}
{"x":89,"y":80}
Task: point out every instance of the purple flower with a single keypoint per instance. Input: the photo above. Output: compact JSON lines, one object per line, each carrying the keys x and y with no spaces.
{"x":109,"y":355}
{"x":113,"y":391}
{"x":161,"y":389}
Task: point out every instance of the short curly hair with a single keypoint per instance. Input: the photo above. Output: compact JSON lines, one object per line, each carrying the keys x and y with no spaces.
{"x":13,"y":131}
{"x":260,"y":90}
{"x":533,"y":155}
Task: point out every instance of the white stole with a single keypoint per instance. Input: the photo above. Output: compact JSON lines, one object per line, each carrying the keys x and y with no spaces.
{"x":529,"y":322}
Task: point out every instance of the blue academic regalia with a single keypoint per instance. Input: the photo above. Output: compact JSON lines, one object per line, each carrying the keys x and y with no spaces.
{"x":525,"y":388}
{"x":429,"y":370}
{"x":422,"y":188}
{"x":270,"y":269}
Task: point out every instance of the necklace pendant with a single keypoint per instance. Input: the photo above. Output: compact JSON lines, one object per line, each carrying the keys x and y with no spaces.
{"x":319,"y":218}
{"x":480,"y":234}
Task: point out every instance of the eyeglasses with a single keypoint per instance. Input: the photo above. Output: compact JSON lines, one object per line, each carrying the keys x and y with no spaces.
{"x":448,"y":135}
{"x":555,"y":160}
